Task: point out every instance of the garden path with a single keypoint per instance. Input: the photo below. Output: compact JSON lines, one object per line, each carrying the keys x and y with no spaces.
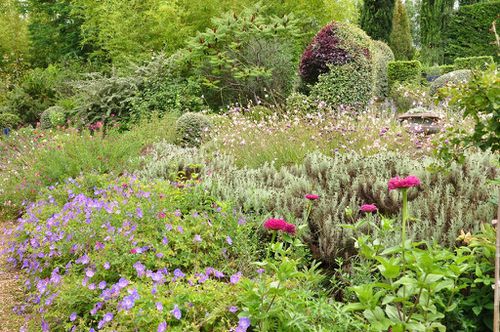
{"x":10,"y":288}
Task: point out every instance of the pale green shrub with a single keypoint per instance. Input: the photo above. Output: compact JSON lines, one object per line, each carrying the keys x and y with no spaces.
{"x":192,"y":128}
{"x":449,"y":79}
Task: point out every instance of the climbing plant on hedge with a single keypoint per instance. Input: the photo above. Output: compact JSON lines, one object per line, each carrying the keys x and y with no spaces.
{"x":468,"y":32}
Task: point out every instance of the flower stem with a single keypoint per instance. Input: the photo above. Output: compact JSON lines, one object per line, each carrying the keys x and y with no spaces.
{"x":270,"y":245}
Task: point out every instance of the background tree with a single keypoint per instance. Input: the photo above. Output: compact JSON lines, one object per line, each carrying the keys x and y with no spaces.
{"x":400,"y":38}
{"x":376,"y":18}
{"x":54,"y":31}
{"x":434,"y":15}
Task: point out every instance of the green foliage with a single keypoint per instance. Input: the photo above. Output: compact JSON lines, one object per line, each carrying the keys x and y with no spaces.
{"x":382,"y":55}
{"x":38,"y":90}
{"x":479,"y":99}
{"x":166,"y":86}
{"x":192,"y":128}
{"x":450,"y":79}
{"x":291,"y":298}
{"x":404,"y":71}
{"x":376,"y":18}
{"x":346,"y":85}
{"x":416,"y":285}
{"x":52,"y":117}
{"x":474,"y":62}
{"x":108,"y":100}
{"x":434,"y":17}
{"x":400,"y":39}
{"x":9,"y":120}
{"x":246,"y":57}
{"x":54,"y":31}
{"x":408,"y":95}
{"x":13,"y":45}
{"x":468,"y":32}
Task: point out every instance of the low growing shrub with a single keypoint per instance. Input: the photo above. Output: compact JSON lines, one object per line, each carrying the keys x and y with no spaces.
{"x":52,"y":117}
{"x":446,"y":204}
{"x":192,"y":128}
{"x":404,"y":71}
{"x":409,"y":95}
{"x":9,"y":120}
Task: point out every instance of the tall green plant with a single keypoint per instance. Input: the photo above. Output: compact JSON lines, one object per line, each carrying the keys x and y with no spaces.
{"x":400,"y":38}
{"x":376,"y":18}
{"x":434,"y":15}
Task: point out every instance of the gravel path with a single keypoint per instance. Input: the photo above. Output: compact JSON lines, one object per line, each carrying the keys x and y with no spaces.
{"x":10,"y":288}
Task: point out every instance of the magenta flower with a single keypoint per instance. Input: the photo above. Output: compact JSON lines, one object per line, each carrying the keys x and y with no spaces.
{"x":311,"y":197}
{"x":368,"y":208}
{"x":407,"y":182}
{"x":279,"y":225}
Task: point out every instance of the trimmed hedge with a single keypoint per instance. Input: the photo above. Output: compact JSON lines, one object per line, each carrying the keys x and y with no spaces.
{"x":404,"y":71}
{"x":467,"y":33}
{"x":473,"y":62}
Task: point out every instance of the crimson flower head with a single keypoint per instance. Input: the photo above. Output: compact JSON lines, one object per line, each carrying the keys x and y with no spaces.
{"x":311,"y":197}
{"x":368,"y":208}
{"x":279,"y":225}
{"x":134,"y":251}
{"x":407,"y":182}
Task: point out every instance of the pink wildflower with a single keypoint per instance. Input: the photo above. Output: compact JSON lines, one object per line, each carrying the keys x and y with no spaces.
{"x":368,"y":208}
{"x":407,"y":182}
{"x":311,"y":197}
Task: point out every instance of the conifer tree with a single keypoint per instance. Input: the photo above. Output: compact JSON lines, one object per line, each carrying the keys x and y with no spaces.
{"x":376,"y":18}
{"x":433,"y":20}
{"x":400,"y":39}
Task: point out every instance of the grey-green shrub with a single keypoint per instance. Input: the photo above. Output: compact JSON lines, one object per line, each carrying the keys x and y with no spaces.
{"x":445,"y":203}
{"x":52,"y":117}
{"x":408,"y":95}
{"x":166,"y":160}
{"x":382,"y":55}
{"x":192,"y":128}
{"x":451,"y":78}
{"x":9,"y":120}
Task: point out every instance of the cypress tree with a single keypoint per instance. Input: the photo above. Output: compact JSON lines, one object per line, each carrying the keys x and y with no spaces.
{"x":376,"y":18}
{"x":434,"y":16}
{"x":400,"y":38}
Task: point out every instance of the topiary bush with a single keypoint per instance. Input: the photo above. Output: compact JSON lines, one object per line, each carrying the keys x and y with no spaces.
{"x":451,"y":78}
{"x":52,"y":117}
{"x":9,"y":120}
{"x":468,"y":31}
{"x":347,"y":85}
{"x":339,"y":65}
{"x":382,"y":55}
{"x":473,"y":62}
{"x":404,"y":71}
{"x":192,"y":128}
{"x":335,"y":45}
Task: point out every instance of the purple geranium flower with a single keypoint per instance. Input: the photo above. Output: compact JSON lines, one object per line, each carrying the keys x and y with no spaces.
{"x":176,"y":312}
{"x":162,"y":327}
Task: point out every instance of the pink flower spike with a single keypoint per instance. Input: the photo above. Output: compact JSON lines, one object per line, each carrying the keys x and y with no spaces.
{"x":407,"y":182}
{"x":311,"y":197}
{"x":368,"y":208}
